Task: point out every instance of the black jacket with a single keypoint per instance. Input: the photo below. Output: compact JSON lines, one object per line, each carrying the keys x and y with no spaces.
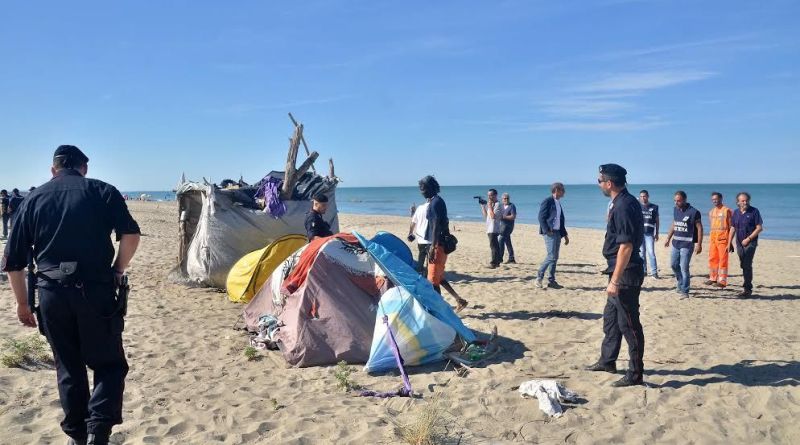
{"x":547,"y":217}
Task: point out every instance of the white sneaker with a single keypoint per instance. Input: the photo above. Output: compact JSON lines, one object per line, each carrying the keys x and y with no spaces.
{"x":538,"y":283}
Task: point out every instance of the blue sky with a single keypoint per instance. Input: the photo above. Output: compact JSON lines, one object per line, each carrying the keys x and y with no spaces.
{"x":503,"y":92}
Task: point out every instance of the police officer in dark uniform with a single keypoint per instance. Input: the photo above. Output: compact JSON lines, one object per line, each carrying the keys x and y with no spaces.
{"x":624,"y":235}
{"x":66,"y":225}
{"x":316,"y":227}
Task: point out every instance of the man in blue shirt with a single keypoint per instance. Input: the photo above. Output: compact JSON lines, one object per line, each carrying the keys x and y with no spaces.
{"x":686,"y":230}
{"x":746,"y":225}
{"x":650,"y":215}
{"x":507,"y":227}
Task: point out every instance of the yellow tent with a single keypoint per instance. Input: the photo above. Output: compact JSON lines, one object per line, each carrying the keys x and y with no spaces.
{"x":251,"y":271}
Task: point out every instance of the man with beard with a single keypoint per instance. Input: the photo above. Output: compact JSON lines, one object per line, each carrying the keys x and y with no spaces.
{"x":438,"y":228}
{"x":624,"y":231}
{"x":745,"y":227}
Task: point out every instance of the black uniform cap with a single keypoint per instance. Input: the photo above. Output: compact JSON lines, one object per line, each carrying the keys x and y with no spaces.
{"x":319,"y":197}
{"x":613,"y":170}
{"x":72,"y":155}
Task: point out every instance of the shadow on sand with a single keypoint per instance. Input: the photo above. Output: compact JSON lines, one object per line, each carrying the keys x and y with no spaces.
{"x":528,"y":315}
{"x":460,"y":278}
{"x":752,"y":297}
{"x":747,"y":372}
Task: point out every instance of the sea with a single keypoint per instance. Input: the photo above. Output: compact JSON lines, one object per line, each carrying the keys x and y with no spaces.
{"x":584,"y":205}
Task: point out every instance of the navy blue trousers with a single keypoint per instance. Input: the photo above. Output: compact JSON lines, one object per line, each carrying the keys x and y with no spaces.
{"x":621,"y":319}
{"x":84,"y":331}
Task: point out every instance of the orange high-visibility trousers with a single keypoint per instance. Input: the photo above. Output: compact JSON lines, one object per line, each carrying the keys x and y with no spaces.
{"x":718,"y":257}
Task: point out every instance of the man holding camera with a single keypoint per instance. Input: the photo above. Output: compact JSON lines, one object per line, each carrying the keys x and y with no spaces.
{"x":492,"y":213}
{"x":65,"y":225}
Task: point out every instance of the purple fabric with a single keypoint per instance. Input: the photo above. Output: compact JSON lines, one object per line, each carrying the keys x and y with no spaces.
{"x":406,"y":383}
{"x":270,"y":190}
{"x":402,"y":392}
{"x":405,"y":391}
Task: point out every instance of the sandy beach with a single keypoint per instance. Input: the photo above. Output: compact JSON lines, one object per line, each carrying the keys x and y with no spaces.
{"x":718,"y":369}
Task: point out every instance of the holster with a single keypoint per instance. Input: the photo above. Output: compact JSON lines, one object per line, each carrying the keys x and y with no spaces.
{"x":32,"y":297}
{"x":123,"y":289}
{"x":67,"y":275}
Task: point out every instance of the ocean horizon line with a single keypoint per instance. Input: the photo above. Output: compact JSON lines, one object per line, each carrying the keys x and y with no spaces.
{"x":343,"y":186}
{"x":571,"y":184}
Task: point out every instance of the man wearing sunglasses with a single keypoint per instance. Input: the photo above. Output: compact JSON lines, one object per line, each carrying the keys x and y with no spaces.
{"x":624,"y":232}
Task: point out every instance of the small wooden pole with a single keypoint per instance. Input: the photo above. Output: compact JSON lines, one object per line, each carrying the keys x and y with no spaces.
{"x":306,"y":164}
{"x":303,"y":140}
{"x":290,"y":177}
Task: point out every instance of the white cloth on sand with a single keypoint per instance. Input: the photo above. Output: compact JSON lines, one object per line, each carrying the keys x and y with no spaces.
{"x":550,"y":394}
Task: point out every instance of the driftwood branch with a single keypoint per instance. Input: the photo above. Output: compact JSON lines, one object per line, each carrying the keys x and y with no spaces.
{"x":290,"y":177}
{"x":303,"y":140}
{"x":330,"y":166}
{"x":306,"y":164}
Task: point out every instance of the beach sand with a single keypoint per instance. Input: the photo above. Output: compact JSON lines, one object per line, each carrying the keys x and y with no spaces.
{"x":719,"y":369}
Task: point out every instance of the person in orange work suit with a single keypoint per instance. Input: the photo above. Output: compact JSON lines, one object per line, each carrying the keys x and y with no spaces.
{"x":719,"y":244}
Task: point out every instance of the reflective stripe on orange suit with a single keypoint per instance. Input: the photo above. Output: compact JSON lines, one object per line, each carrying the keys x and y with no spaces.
{"x":720,"y":221}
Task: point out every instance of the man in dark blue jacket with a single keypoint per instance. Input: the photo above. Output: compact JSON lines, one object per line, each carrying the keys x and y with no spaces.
{"x":66,"y":225}
{"x":624,"y":234}
{"x":14,"y":203}
{"x":552,"y":228}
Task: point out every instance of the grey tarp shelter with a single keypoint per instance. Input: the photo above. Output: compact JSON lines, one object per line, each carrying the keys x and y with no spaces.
{"x":215,"y":230}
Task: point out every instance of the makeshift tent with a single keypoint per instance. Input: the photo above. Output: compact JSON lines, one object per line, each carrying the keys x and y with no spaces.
{"x":333,"y":295}
{"x":216,"y":232}
{"x":252,"y":270}
{"x":218,"y":226}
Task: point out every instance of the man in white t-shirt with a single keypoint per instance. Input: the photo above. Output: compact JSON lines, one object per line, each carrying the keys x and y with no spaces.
{"x":417,"y":230}
{"x":493,"y":213}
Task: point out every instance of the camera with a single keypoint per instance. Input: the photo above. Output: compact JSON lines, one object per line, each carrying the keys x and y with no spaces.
{"x":481,"y":201}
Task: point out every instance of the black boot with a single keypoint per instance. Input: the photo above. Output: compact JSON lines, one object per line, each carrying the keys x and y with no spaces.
{"x":627,"y":381}
{"x":612,"y":368}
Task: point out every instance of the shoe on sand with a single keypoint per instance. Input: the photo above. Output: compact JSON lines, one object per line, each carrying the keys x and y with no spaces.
{"x":554,"y":285}
{"x":627,"y":381}
{"x":612,"y":368}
